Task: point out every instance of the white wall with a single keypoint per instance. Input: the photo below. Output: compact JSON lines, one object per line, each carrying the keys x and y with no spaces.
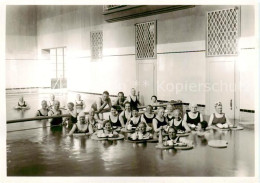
{"x":179,"y":34}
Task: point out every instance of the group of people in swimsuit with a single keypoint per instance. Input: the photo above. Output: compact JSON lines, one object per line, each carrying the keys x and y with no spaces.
{"x":124,"y":114}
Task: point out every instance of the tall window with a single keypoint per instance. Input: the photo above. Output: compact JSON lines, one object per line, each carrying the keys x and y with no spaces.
{"x":57,"y":69}
{"x":96,"y":41}
{"x":57,"y":56}
{"x":222,"y":32}
{"x":145,"y":40}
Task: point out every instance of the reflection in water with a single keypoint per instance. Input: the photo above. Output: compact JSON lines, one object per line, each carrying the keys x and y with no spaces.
{"x":139,"y":145}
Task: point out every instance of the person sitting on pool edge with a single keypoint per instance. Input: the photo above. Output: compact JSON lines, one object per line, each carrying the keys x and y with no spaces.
{"x":178,"y":124}
{"x":51,"y":101}
{"x":141,"y":132}
{"x":120,"y":101}
{"x":79,"y":103}
{"x":126,"y":114}
{"x":194,"y":118}
{"x":55,"y":112}
{"x":154,"y":102}
{"x":219,"y":118}
{"x":44,"y":110}
{"x":101,"y":103}
{"x":22,"y":104}
{"x":68,"y":121}
{"x":82,"y":126}
{"x":107,"y":130}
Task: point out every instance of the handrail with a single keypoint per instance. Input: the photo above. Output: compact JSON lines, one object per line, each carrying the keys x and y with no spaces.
{"x":68,"y":115}
{"x":160,"y":105}
{"x":47,"y":117}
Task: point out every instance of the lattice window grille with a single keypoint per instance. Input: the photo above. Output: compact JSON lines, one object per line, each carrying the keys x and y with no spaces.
{"x":222,"y":32}
{"x":145,"y":40}
{"x":96,"y":44}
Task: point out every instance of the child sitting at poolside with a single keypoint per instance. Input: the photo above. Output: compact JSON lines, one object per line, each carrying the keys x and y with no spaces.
{"x":44,"y":110}
{"x":70,"y":110}
{"x":22,"y":104}
{"x":107,"y":131}
{"x":141,"y":132}
{"x":81,"y":126}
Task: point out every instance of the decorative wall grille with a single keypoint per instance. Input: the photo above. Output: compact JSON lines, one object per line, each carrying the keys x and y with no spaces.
{"x":96,"y":44}
{"x":222,"y":32}
{"x":145,"y":40}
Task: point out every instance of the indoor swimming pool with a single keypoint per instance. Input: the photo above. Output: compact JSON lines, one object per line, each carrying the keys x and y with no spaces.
{"x":47,"y":151}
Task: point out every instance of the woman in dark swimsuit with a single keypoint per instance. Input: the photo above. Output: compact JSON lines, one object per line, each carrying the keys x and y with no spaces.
{"x":133,"y":99}
{"x":81,"y":126}
{"x":22,"y":104}
{"x":44,"y":110}
{"x":160,"y":122}
{"x":55,"y":112}
{"x":193,"y":118}
{"x":136,"y":119}
{"x":126,"y":114}
{"x":114,"y":117}
{"x":79,"y":103}
{"x":148,"y":116}
{"x":169,"y":115}
{"x":219,"y":118}
{"x":177,"y":123}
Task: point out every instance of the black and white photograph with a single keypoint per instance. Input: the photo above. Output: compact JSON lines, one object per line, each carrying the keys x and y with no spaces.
{"x":130,"y":90}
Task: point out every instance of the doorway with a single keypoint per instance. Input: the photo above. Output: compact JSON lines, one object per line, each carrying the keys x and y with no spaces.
{"x":146,"y":76}
{"x":223,"y":82}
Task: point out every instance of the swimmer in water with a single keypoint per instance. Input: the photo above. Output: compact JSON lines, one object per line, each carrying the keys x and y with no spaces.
{"x":55,"y":112}
{"x":73,"y":119}
{"x":178,"y":124}
{"x":113,"y":117}
{"x":44,"y":110}
{"x":126,"y":114}
{"x":219,"y":118}
{"x":107,"y":130}
{"x":173,"y":139}
{"x":82,"y":126}
{"x":136,"y":120}
{"x":148,"y":115}
{"x":22,"y":104}
{"x":169,"y":115}
{"x":193,"y":118}
{"x":141,"y":132}
{"x":160,"y":122}
{"x":95,"y":123}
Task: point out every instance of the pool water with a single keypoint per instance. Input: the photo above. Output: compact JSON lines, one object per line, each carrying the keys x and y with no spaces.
{"x":48,"y":151}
